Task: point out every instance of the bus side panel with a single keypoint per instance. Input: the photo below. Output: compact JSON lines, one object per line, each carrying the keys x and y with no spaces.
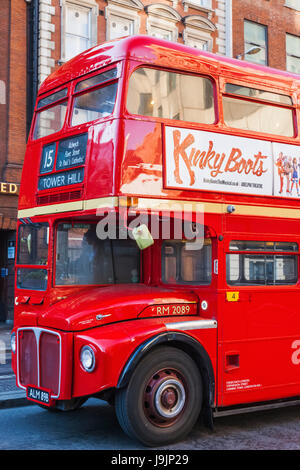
{"x":30,"y":172}
{"x":115,"y":345}
{"x":100,"y":169}
{"x":141,"y":167}
{"x":259,"y":327}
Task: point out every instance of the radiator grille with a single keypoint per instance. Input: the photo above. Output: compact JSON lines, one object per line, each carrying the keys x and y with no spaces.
{"x":39,"y":355}
{"x":28,"y":357}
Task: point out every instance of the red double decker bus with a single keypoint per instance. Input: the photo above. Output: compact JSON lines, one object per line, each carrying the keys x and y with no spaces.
{"x":165,"y":327}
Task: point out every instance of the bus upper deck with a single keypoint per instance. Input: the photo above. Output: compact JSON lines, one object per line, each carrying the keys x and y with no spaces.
{"x":146,"y":118}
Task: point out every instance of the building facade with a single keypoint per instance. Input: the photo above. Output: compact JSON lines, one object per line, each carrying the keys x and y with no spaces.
{"x":13,"y":92}
{"x":67,"y":27}
{"x":271,"y":25}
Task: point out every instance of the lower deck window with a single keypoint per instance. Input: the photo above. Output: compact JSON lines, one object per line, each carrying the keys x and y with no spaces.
{"x":84,"y":259}
{"x":32,"y":279}
{"x":183,"y":265}
{"x":261,"y":269}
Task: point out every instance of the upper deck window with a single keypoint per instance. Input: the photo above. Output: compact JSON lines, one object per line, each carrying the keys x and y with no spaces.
{"x":158,"y":93}
{"x":94,"y":103}
{"x":242,"y":112}
{"x":256,"y":93}
{"x":97,"y":79}
{"x":50,"y":99}
{"x":51,"y":112}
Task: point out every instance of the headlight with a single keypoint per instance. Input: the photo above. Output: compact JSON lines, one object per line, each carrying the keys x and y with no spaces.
{"x":87,"y":358}
{"x":13,"y":342}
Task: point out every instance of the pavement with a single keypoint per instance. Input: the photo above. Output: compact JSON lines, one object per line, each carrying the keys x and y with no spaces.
{"x":10,"y":394}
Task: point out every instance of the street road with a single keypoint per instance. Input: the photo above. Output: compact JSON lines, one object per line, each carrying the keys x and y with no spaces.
{"x":95,"y":427}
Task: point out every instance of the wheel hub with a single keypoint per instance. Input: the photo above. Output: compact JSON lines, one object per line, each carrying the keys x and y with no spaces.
{"x":170,"y":398}
{"x":164,"y":397}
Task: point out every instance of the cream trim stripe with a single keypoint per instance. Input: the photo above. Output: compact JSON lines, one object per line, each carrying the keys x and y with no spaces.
{"x":69,"y":207}
{"x":161,"y":204}
{"x":51,"y":209}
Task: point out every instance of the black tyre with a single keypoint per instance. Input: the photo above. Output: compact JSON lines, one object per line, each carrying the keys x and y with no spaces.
{"x":163,"y":399}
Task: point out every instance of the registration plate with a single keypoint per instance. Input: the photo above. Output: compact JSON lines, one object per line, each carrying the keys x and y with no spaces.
{"x":39,"y":395}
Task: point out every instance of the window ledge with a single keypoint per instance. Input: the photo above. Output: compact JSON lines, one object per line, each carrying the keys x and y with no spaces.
{"x":190,"y":4}
{"x":291,"y":8}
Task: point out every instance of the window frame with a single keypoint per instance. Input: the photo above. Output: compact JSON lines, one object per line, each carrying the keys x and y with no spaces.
{"x":199,"y":29}
{"x":184,"y":284}
{"x":253,"y":44}
{"x":288,"y":5}
{"x":292,"y":55}
{"x":264,"y":253}
{"x":125,"y":9}
{"x":34,"y":267}
{"x":93,"y":10}
{"x":38,"y":110}
{"x":292,"y":106}
{"x":75,"y":94}
{"x":54,"y":260}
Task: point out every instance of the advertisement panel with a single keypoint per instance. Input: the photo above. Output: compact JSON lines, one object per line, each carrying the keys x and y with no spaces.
{"x":200,"y":160}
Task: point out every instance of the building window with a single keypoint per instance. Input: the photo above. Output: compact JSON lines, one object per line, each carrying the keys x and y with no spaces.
{"x":198,"y":43}
{"x":293,"y":53}
{"x":79,"y":27}
{"x":255,"y":35}
{"x":203,"y":5}
{"x":198,"y":32}
{"x":120,"y":27}
{"x":162,"y":21}
{"x":292,"y":4}
{"x":122,"y":18}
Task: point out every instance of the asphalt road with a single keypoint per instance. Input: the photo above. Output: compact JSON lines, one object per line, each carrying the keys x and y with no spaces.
{"x":95,"y":427}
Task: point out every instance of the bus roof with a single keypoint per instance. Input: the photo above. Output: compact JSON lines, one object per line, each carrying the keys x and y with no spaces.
{"x":147,"y":49}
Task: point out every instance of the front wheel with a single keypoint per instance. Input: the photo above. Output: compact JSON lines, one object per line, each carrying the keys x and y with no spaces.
{"x":163,"y":398}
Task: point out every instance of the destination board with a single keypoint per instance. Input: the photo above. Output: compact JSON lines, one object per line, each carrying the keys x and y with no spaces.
{"x":48,"y":157}
{"x":64,"y":178}
{"x":71,"y":152}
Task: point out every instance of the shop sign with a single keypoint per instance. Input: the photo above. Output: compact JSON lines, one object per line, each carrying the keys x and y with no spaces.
{"x":9,"y":188}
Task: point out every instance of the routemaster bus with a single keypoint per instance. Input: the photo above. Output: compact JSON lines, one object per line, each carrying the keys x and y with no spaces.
{"x":129,"y":141}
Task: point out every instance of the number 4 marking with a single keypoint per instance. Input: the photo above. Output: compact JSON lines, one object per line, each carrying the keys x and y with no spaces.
{"x":296,"y":354}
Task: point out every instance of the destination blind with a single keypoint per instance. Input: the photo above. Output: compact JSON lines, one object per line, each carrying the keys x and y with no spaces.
{"x":71,"y":153}
{"x":64,"y":178}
